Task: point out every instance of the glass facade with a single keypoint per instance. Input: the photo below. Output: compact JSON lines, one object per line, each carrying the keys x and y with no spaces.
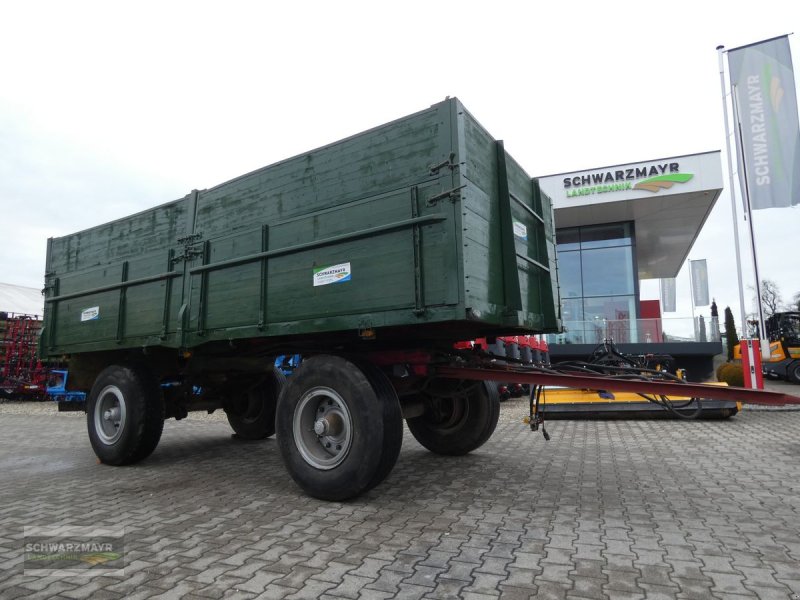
{"x":599,"y":286}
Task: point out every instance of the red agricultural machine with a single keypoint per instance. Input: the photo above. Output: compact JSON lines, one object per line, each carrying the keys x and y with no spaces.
{"x":21,"y":373}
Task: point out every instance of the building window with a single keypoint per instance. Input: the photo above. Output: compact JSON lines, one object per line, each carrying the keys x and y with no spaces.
{"x":597,"y":277}
{"x":607,"y":271}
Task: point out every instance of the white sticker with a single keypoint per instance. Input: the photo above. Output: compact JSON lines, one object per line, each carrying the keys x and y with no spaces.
{"x":90,"y":314}
{"x":333,"y":274}
{"x":520,"y":230}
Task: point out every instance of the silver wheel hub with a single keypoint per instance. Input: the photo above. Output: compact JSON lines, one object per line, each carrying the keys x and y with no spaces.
{"x":110,"y":415}
{"x":323,"y":428}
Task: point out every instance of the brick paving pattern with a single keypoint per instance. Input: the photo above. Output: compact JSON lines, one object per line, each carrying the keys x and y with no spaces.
{"x":610,"y":509}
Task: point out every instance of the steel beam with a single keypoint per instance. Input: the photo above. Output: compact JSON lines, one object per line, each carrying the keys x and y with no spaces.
{"x":617,"y":384}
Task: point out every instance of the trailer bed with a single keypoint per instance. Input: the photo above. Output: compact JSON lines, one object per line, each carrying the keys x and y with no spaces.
{"x":422,"y":228}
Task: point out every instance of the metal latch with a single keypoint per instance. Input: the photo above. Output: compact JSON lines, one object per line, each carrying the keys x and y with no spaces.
{"x":434,"y":169}
{"x":451,"y":195}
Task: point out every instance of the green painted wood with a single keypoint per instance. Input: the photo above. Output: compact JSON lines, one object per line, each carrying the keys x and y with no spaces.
{"x":413,"y":208}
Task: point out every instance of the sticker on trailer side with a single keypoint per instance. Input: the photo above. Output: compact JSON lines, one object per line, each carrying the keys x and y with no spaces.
{"x":333,"y":274}
{"x":520,"y":230}
{"x":90,"y":314}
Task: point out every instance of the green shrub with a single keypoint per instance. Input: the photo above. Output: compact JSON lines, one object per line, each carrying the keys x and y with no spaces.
{"x":731,"y":373}
{"x":719,"y":370}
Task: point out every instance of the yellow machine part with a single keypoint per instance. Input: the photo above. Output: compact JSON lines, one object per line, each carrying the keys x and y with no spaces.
{"x":572,"y":396}
{"x":776,"y":353}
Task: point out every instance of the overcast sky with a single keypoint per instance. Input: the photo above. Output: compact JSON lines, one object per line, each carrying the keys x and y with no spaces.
{"x":106,"y":110}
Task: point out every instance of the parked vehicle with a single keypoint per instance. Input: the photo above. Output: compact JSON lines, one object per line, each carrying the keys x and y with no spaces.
{"x":370,"y":257}
{"x":68,"y":401}
{"x":783,"y":332}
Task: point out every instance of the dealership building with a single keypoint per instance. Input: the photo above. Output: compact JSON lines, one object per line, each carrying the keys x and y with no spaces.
{"x":621,"y":224}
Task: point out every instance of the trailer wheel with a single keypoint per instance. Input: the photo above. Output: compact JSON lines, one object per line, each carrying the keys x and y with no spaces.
{"x":125,"y":415}
{"x":337,"y":427}
{"x":252,"y":416}
{"x":793,"y":373}
{"x":456,"y":424}
{"x":392,"y":422}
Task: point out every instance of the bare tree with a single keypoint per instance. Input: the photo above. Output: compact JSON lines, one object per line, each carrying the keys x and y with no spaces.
{"x":796,"y":301}
{"x":771,"y":300}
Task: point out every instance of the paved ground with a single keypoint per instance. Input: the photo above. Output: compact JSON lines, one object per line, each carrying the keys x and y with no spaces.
{"x":615,"y":509}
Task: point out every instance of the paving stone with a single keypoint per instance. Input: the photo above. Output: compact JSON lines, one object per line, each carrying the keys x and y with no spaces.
{"x":168,"y":578}
{"x":259,"y":582}
{"x":474,"y":596}
{"x":615,"y":510}
{"x":458,"y":570}
{"x":514,"y":593}
{"x":276,"y":592}
{"x":424,"y":576}
{"x":588,"y":587}
{"x":521,"y":578}
{"x":364,"y":594}
{"x":589,"y":568}
{"x":409,"y":591}
{"x":772,"y":593}
{"x":225,"y":586}
{"x":659,"y":592}
{"x":727,"y":583}
{"x":693,"y":589}
{"x":298,"y":577}
{"x":688,"y":570}
{"x":350,"y":586}
{"x":485,"y":583}
{"x":447,"y":588}
{"x":493,"y":565}
{"x":387,"y":581}
{"x":549,"y":590}
{"x":761,"y":577}
{"x":622,"y":581}
{"x":554,"y":572}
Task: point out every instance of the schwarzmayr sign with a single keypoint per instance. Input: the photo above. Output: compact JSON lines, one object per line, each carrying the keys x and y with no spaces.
{"x":649,"y":177}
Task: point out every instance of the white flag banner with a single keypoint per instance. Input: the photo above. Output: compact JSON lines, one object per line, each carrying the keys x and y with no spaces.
{"x":768,"y":137}
{"x":668,"y":295}
{"x":699,"y":274}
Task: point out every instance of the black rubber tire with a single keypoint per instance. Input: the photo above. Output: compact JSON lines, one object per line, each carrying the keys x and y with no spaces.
{"x":362,"y":464}
{"x":793,"y":372}
{"x":392,"y":422}
{"x":254,"y":417}
{"x":144,"y":422}
{"x":460,"y":425}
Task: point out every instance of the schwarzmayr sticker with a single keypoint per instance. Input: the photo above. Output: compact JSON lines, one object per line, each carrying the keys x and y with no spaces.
{"x":333,"y":274}
{"x":90,"y":314}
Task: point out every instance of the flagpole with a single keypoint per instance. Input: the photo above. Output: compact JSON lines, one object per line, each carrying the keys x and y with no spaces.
{"x":691,"y":294}
{"x":743,"y":314}
{"x":765,"y":352}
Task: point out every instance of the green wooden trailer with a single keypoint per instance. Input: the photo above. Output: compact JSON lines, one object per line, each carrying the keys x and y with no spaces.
{"x":371,"y":256}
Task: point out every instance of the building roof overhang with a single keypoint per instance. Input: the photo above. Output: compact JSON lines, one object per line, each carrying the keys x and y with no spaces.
{"x":667,"y":207}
